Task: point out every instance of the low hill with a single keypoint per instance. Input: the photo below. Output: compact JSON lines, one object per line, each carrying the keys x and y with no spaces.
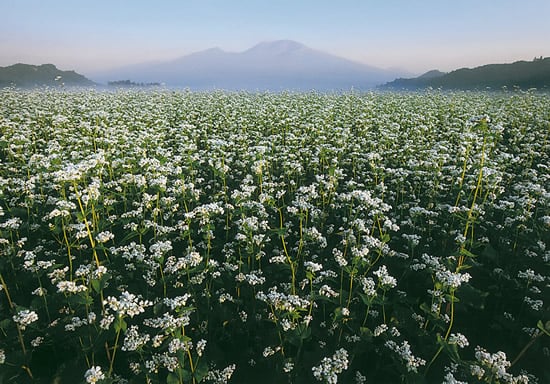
{"x":522,"y":74}
{"x":26,"y":75}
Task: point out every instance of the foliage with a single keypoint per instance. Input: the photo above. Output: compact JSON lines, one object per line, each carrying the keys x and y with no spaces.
{"x":177,"y":237}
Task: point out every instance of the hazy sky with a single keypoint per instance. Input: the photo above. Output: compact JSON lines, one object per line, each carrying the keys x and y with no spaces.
{"x":413,"y":35}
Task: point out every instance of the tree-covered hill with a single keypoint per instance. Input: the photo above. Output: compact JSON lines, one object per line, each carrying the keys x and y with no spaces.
{"x":26,"y":75}
{"x":523,"y":74}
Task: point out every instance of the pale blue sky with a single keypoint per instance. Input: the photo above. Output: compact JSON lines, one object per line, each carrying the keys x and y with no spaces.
{"x":408,"y":34}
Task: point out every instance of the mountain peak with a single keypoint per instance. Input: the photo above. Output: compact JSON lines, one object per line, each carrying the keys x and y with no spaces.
{"x":276,"y":47}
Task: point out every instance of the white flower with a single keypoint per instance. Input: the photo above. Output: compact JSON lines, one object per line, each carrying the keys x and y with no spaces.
{"x":94,"y":374}
{"x":384,"y":279}
{"x":380,"y":329}
{"x":459,"y":339}
{"x":201,"y":345}
{"x":103,"y":237}
{"x":330,"y":367}
{"x":127,"y":304}
{"x":25,"y":317}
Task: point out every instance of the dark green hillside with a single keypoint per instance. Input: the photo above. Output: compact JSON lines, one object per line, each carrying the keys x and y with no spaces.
{"x":26,"y":75}
{"x":523,"y":74}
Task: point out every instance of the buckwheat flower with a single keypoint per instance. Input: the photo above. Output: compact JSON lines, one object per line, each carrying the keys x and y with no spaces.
{"x":380,"y":329}
{"x":477,"y":371}
{"x":106,"y":321}
{"x":369,"y":286}
{"x":177,"y":302}
{"x":37,"y":341}
{"x":94,"y":374}
{"x":133,"y":340}
{"x":451,"y":279}
{"x":404,"y":351}
{"x":395,"y":332}
{"x":177,"y":345}
{"x":2,"y":356}
{"x":105,"y":236}
{"x":384,"y":279}
{"x":458,"y":339}
{"x":243,"y":315}
{"x":279,"y":259}
{"x":201,"y":345}
{"x":268,"y":351}
{"x":359,"y":378}
{"x":312,"y":267}
{"x":127,"y":304}
{"x":221,"y":377}
{"x":24,"y":318}
{"x":327,"y":291}
{"x":157,"y":341}
{"x":339,"y":257}
{"x":530,"y":275}
{"x":330,"y":367}
{"x":288,"y":367}
{"x":70,"y":287}
{"x":37,"y":292}
{"x":450,"y":379}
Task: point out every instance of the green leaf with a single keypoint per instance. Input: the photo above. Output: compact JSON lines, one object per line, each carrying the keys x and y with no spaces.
{"x":95,"y":285}
{"x":450,"y":349}
{"x":120,"y":324}
{"x":544,"y":327}
{"x":201,"y":370}
{"x":172,"y":378}
{"x":464,"y":252}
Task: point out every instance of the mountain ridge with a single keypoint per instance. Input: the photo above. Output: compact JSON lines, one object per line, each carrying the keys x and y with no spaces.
{"x":28,"y":75}
{"x":522,"y":74}
{"x":271,"y":65}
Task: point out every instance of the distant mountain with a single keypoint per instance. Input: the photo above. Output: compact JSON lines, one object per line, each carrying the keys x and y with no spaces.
{"x":276,"y":65}
{"x":26,"y":75}
{"x":523,"y":74}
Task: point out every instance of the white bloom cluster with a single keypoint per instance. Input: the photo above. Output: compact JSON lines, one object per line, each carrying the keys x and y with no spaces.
{"x":450,"y":379}
{"x":530,"y":276}
{"x":105,"y":236}
{"x":496,"y":364}
{"x":404,"y":351}
{"x":2,"y":356}
{"x":327,"y":291}
{"x":94,"y":375}
{"x":312,"y":267}
{"x":380,"y":329}
{"x":127,"y":304}
{"x":251,"y":278}
{"x":384,"y":279}
{"x":133,"y":340}
{"x":452,"y":279}
{"x":369,"y":286}
{"x":221,"y":376}
{"x":330,"y":367}
{"x":177,"y":302}
{"x":24,"y":318}
{"x":201,"y":345}
{"x":168,"y":322}
{"x":281,"y":301}
{"x":459,"y":339}
{"x":70,"y":287}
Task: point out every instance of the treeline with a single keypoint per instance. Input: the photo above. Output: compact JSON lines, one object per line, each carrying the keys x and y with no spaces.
{"x":522,"y":74}
{"x":129,"y":83}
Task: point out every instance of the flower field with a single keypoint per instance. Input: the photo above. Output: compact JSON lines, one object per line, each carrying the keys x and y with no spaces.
{"x":179,"y":237}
